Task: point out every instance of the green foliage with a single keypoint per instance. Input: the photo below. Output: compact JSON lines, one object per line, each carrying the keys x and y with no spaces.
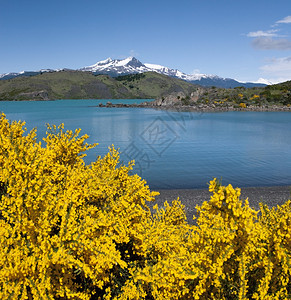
{"x":130,"y":77}
{"x":186,"y":100}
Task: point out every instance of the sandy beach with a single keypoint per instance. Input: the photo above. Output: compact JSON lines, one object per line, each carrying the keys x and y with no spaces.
{"x":272,"y":196}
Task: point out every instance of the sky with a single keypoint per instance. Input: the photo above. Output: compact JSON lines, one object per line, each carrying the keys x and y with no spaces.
{"x":244,"y":40}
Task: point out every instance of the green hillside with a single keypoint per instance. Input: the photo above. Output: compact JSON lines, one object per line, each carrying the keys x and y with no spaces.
{"x":85,"y":85}
{"x":277,"y":94}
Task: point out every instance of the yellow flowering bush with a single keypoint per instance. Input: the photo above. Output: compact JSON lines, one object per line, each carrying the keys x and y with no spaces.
{"x":75,"y":231}
{"x":62,"y":222}
{"x":255,"y":97}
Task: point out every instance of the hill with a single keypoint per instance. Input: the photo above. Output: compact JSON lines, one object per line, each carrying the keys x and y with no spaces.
{"x":86,"y":85}
{"x":238,"y":97}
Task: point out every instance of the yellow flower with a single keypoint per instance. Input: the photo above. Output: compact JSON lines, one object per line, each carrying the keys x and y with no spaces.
{"x":71,"y":231}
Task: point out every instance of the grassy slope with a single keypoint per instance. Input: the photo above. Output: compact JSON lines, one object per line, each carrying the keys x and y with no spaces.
{"x":279,"y":94}
{"x":84,"y":85}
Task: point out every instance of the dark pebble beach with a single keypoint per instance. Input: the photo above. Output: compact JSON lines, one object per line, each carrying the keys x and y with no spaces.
{"x":272,"y":196}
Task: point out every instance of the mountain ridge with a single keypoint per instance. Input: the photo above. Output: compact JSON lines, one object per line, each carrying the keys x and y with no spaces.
{"x":131,"y":65}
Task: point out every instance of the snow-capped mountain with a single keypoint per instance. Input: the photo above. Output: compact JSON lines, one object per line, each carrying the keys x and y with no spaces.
{"x":131,"y":65}
{"x":177,"y":73}
{"x":25,"y":73}
{"x":264,"y":81}
{"x":8,"y":75}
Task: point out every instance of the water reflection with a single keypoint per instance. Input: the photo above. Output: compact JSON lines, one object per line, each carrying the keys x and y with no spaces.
{"x":176,"y":149}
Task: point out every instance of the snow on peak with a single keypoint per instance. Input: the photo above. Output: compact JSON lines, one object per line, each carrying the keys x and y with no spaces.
{"x":116,"y":64}
{"x":264,"y":81}
{"x":124,"y":62}
{"x":111,"y":63}
{"x":175,"y":72}
{"x":3,"y":75}
{"x":105,"y":62}
{"x":154,"y":66}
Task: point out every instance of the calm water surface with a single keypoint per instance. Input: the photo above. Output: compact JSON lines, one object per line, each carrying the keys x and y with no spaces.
{"x":175,"y":149}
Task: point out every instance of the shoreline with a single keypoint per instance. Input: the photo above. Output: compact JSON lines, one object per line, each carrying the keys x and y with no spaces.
{"x":178,"y":108}
{"x":270,"y":195}
{"x":199,"y":108}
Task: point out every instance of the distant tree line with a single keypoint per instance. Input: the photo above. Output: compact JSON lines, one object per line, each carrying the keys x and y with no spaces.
{"x":130,"y":77}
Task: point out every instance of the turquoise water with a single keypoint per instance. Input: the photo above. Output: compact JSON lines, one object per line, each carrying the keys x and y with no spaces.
{"x":175,"y":149}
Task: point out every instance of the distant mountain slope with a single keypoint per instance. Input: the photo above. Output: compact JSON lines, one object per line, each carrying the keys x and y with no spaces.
{"x":280,"y":86}
{"x":85,"y":85}
{"x":224,"y":82}
{"x":24,"y":74}
{"x":131,"y":65}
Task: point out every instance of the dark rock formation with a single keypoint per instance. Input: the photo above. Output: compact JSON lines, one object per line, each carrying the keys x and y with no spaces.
{"x":38,"y":95}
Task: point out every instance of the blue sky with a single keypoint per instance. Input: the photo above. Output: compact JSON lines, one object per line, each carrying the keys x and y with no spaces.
{"x":245,"y":40}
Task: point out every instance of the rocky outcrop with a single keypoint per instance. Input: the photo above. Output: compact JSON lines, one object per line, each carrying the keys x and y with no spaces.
{"x":171,"y":99}
{"x":197,"y":94}
{"x":179,"y":98}
{"x":38,"y":95}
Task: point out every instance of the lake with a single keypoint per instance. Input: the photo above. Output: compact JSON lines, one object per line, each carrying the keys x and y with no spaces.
{"x":173,"y":149}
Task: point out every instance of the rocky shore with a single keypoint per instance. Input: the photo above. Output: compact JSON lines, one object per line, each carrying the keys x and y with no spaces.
{"x":199,"y":107}
{"x":179,"y":101}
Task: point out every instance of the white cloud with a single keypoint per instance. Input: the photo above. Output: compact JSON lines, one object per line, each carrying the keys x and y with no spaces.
{"x":267,"y":43}
{"x":286,"y":20}
{"x":133,"y":53}
{"x":195,"y":72}
{"x":270,"y":39}
{"x":277,"y":69}
{"x":261,"y":33}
